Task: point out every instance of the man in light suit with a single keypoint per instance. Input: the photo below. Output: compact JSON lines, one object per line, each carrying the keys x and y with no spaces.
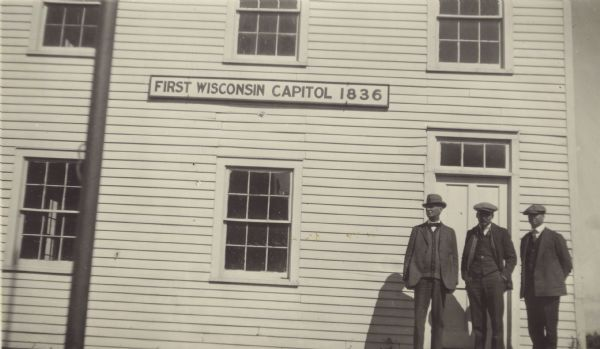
{"x":431,"y":269}
{"x":545,"y":264}
{"x":488,"y":261}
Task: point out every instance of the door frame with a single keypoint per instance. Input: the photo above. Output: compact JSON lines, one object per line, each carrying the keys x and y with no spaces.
{"x":511,"y":173}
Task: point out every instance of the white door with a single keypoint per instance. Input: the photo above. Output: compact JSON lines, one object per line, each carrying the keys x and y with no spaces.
{"x":461,"y":193}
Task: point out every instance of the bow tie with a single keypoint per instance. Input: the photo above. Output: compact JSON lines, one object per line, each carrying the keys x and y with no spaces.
{"x":436,"y":225}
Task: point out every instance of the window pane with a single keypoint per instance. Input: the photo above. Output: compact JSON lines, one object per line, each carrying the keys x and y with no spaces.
{"x":72,"y":176}
{"x":89,"y":37}
{"x":248,"y":22}
{"x":469,"y":52}
{"x":490,"y":30}
{"x":286,"y":45}
{"x":278,"y":235}
{"x":448,"y":29}
{"x":469,"y":7}
{"x":36,"y":171}
{"x":279,"y":208}
{"x":52,"y":36}
{"x":247,"y":44}
{"x":236,"y":234}
{"x":33,"y":196}
{"x":448,"y":51}
{"x":53,"y":200}
{"x":69,"y":224}
{"x":280,"y":183}
{"x":249,"y":3}
{"x":288,"y":4}
{"x":257,"y":208}
{"x":257,"y":234}
{"x":71,"y":37}
{"x":234,"y":257}
{"x":490,"y":52}
{"x":68,"y":249}
{"x":489,"y":7}
{"x":473,"y":155}
{"x":52,"y":248}
{"x":468,"y":30}
{"x":255,"y":258}
{"x":268,"y":3}
{"x":495,"y":155}
{"x":92,"y":14}
{"x":74,"y":15}
{"x":449,"y":7}
{"x":277,"y":260}
{"x":288,"y":23}
{"x":238,"y":182}
{"x":266,"y":44}
{"x":55,"y":14}
{"x":259,"y":182}
{"x":33,"y":223}
{"x":267,"y":23}
{"x":450,"y":154}
{"x":236,"y":206}
{"x":56,"y":173}
{"x":72,"y":198}
{"x":30,"y":246}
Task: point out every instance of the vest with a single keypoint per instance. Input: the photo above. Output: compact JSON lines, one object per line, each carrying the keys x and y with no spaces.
{"x":483,"y":261}
{"x":532,"y":249}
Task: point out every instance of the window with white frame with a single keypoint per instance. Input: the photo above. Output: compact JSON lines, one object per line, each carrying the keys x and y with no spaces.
{"x":48,"y":210}
{"x":257,"y":222}
{"x":267,"y":31}
{"x":473,"y":154}
{"x":65,"y":27}
{"x":469,"y":35}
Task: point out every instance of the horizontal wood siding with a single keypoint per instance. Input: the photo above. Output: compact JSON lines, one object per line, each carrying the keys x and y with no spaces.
{"x":45,"y":102}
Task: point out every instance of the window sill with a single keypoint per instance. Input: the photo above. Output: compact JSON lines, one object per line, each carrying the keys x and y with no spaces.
{"x":253,"y":281}
{"x":475,"y":171}
{"x":42,"y":267}
{"x":467,"y":68}
{"x":265,"y":60}
{"x":63,"y":52}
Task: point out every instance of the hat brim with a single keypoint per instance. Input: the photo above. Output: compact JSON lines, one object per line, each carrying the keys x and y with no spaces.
{"x":432,"y":204}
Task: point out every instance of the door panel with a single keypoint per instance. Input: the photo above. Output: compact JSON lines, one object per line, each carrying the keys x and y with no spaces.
{"x":461,"y":194}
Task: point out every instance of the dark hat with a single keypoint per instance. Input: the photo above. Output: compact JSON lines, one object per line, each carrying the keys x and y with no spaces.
{"x":535,"y":209}
{"x":434,"y":200}
{"x":485,"y":207}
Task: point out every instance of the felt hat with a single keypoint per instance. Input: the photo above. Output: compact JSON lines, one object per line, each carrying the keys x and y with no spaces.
{"x":434,"y":200}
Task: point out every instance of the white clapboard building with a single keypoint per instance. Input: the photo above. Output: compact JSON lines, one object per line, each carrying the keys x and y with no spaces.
{"x":265,"y":160}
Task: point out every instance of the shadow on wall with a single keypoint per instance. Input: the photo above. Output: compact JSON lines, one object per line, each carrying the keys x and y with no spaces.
{"x":392,"y":321}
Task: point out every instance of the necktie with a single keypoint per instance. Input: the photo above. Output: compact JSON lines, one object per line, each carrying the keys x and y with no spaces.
{"x":534,"y":235}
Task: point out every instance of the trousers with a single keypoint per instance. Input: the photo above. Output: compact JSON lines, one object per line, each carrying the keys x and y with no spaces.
{"x":486,"y":296}
{"x":429,"y":290}
{"x":542,"y":320}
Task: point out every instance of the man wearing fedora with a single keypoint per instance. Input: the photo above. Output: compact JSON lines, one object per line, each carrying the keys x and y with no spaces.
{"x":488,"y":261}
{"x":431,"y":269}
{"x":545,"y":264}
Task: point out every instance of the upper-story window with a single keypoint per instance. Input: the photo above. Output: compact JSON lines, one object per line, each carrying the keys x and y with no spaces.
{"x":469,"y":35}
{"x":267,"y":31}
{"x":65,"y":27}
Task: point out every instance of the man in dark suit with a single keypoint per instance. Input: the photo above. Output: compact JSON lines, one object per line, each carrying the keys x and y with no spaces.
{"x":545,"y":264}
{"x":431,"y":269}
{"x":488,"y":261}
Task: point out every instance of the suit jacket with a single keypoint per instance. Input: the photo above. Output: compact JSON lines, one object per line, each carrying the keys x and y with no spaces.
{"x":552,"y":264}
{"x":417,"y":260}
{"x":502,"y":248}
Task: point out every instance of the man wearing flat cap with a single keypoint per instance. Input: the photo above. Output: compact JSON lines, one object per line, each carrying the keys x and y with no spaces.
{"x":488,"y":261}
{"x":431,"y":270}
{"x":545,"y":264}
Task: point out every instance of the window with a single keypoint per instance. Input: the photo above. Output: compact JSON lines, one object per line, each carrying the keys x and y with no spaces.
{"x":44,"y":211}
{"x":267,"y":31}
{"x":255,"y":236}
{"x":65,"y":28}
{"x":469,"y":35}
{"x":473,"y":154}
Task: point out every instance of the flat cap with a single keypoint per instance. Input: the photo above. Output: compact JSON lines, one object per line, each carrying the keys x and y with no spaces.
{"x":535,"y":209}
{"x":485,"y":207}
